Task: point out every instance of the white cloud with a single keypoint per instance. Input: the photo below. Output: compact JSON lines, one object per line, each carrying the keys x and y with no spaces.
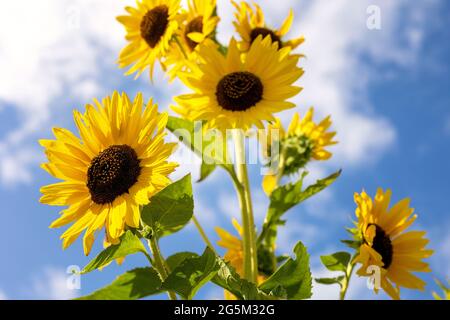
{"x":337,"y":78}
{"x":58,"y":48}
{"x":206,"y":214}
{"x":52,"y":50}
{"x":3,"y":295}
{"x":13,"y":166}
{"x":440,"y":242}
{"x":52,"y":284}
{"x":296,"y":230}
{"x":229,"y":205}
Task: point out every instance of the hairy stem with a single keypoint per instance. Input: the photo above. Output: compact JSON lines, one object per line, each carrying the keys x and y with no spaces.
{"x":160,"y":263}
{"x":345,"y":284}
{"x":248,"y":223}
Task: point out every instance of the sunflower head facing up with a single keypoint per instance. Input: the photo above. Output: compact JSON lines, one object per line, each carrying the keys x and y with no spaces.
{"x":250,"y":24}
{"x":149,"y":30}
{"x":240,"y":91}
{"x":385,"y":244}
{"x":198,"y":27}
{"x":117,"y":164}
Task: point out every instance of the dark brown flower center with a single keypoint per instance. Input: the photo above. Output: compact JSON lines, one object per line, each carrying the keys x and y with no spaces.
{"x":112,"y":173}
{"x":195,"y":25}
{"x":154,"y":24}
{"x":383,"y":245}
{"x":239,"y":91}
{"x":265,"y":32}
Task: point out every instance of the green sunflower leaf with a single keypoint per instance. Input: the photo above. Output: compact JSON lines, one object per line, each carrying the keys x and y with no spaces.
{"x":352,"y":243}
{"x":176,"y":259}
{"x":207,"y":147}
{"x":191,"y":274}
{"x":134,"y":284}
{"x":229,"y":279}
{"x":284,"y":198}
{"x":327,"y":281}
{"x":226,"y":277}
{"x":292,"y":278}
{"x":170,"y":209}
{"x":129,"y":244}
{"x":337,"y":261}
{"x":206,"y":170}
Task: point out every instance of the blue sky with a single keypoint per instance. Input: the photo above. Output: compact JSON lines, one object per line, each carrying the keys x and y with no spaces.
{"x":387,"y":90}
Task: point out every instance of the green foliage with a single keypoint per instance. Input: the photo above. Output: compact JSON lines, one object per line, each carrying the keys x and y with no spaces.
{"x":188,"y":133}
{"x":206,"y":170}
{"x":170,"y":209}
{"x":175,"y":260}
{"x":129,"y":244}
{"x":223,"y":274}
{"x":292,"y":278}
{"x":284,"y":198}
{"x":228,"y":279}
{"x":336,"y":280}
{"x":352,"y":244}
{"x":134,"y":284}
{"x":191,"y":274}
{"x":297,"y":153}
{"x":337,"y":261}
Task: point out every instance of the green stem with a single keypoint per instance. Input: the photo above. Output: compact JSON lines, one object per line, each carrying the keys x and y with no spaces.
{"x":345,"y":284}
{"x":248,"y":223}
{"x":281,"y":165}
{"x":160,"y":263}
{"x":203,"y":234}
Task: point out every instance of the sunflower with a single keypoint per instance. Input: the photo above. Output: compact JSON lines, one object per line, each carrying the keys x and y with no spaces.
{"x":384,"y":242}
{"x":150,"y":28}
{"x":235,"y":252}
{"x":250,"y":24}
{"x":201,"y":23}
{"x":117,"y":165}
{"x":199,"y":27}
{"x":303,"y":141}
{"x":234,"y":92}
{"x":316,"y":134}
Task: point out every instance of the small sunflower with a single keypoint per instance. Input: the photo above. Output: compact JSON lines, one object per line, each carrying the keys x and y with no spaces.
{"x":235,"y":252}
{"x":386,"y":245}
{"x":238,"y":92}
{"x":250,"y":24}
{"x":117,"y":165}
{"x":303,"y":141}
{"x":201,"y":23}
{"x":150,"y":28}
{"x":199,"y":27}
{"x":317,"y":134}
